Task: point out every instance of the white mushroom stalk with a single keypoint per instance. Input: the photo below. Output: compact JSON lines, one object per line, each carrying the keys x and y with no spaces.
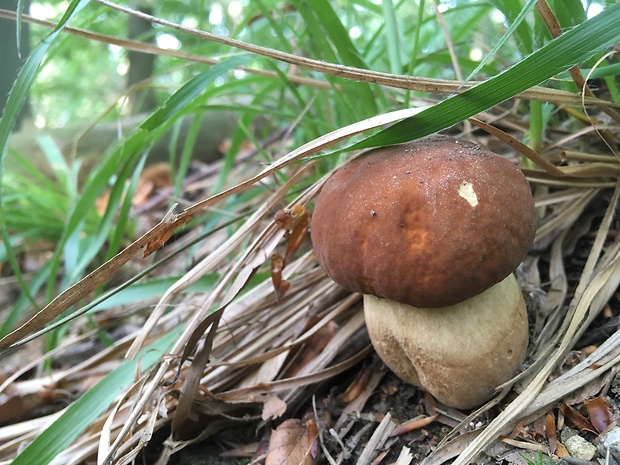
{"x":460,"y":353}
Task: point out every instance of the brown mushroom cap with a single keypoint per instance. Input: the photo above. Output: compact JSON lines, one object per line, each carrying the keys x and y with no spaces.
{"x":429,"y":223}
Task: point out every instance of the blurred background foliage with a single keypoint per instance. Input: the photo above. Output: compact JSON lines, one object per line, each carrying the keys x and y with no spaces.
{"x":83,"y":78}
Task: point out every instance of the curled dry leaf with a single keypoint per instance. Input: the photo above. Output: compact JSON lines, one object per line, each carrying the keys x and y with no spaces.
{"x":576,"y":418}
{"x":295,"y":222}
{"x":153,"y":178}
{"x":599,"y":413}
{"x":357,"y":386}
{"x":298,"y":233}
{"x":552,"y":436}
{"x":279,"y":283}
{"x":274,"y":407}
{"x":293,"y":443}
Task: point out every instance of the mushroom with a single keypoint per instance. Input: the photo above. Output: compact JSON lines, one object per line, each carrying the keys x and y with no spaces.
{"x":430,"y":232}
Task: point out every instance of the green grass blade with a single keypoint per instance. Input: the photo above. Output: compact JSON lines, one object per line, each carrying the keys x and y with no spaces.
{"x":572,"y":47}
{"x":151,"y":289}
{"x":332,"y":27}
{"x":278,"y":24}
{"x":26,"y":76}
{"x":82,"y":208}
{"x":22,"y":303}
{"x":331,"y":42}
{"x":568,"y":12}
{"x":55,"y":159}
{"x":18,"y":24}
{"x":512,"y":10}
{"x":416,"y":47}
{"x":89,"y":406}
{"x":14,"y":104}
{"x":117,"y":228}
{"x":513,"y":26}
{"x":393,"y":42}
{"x":186,"y":94}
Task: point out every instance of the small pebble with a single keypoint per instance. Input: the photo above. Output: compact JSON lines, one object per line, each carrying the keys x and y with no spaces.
{"x":579,"y":448}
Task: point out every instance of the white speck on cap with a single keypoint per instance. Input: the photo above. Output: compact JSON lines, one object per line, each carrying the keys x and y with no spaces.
{"x":466,"y":190}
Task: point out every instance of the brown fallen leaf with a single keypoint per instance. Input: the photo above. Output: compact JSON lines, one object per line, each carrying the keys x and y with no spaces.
{"x":274,"y":407}
{"x":599,"y":413}
{"x":279,"y":283}
{"x":561,"y":451}
{"x":153,"y":178}
{"x":293,"y":443}
{"x":552,"y":437}
{"x":577,"y":418}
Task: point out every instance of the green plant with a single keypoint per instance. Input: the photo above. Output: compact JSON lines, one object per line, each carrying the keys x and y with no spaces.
{"x":539,"y":460}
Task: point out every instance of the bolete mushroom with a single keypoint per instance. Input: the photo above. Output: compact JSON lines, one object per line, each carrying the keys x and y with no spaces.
{"x":430,"y":232}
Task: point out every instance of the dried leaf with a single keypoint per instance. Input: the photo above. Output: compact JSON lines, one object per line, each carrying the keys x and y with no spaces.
{"x":274,"y":407}
{"x":312,"y":348}
{"x":357,"y":386}
{"x":576,"y":418}
{"x":298,"y":232}
{"x":599,"y":413}
{"x":552,"y":436}
{"x":279,"y":283}
{"x":283,"y":218}
{"x":293,"y":443}
{"x":152,"y":178}
{"x":561,"y":451}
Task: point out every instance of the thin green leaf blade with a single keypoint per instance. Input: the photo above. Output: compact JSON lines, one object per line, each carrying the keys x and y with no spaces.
{"x":13,"y":107}
{"x":513,"y":26}
{"x":186,"y":94}
{"x":569,"y":49}
{"x":87,"y":408}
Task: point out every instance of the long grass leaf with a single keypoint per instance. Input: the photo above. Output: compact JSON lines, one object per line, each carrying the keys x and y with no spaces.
{"x":393,"y":42}
{"x":186,"y":94}
{"x":13,"y":107}
{"x":333,"y":44}
{"x":572,"y":47}
{"x":513,"y":26}
{"x":93,"y":403}
{"x":513,"y":10}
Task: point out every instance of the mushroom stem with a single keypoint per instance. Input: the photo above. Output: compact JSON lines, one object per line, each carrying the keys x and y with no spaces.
{"x":460,"y":353}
